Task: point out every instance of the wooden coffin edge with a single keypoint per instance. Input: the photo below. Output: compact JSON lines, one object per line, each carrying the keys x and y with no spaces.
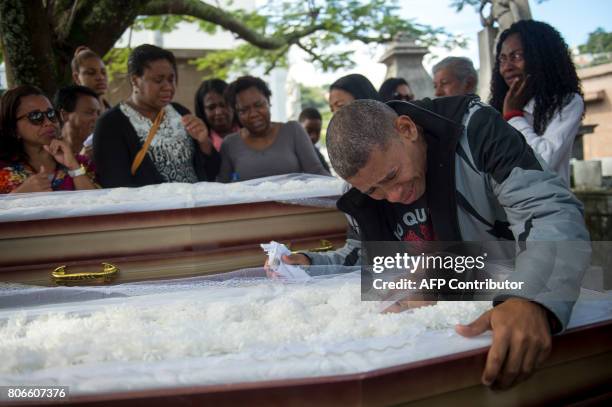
{"x":163,"y":266}
{"x":148,"y":219}
{"x":579,"y":369}
{"x":177,"y":243}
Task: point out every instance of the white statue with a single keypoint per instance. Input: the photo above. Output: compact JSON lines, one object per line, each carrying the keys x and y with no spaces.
{"x":504,"y":12}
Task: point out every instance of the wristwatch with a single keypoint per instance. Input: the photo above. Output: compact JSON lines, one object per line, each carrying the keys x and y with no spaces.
{"x":79,"y":171}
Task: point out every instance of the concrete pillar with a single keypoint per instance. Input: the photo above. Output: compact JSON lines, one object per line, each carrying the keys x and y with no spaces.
{"x":404,"y":59}
{"x":157,"y":38}
{"x":486,"y":49}
{"x":277,"y":79}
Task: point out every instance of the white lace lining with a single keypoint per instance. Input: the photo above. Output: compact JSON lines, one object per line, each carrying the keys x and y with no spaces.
{"x":199,"y":331}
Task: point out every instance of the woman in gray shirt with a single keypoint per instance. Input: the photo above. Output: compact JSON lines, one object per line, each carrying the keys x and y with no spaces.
{"x":263,"y":148}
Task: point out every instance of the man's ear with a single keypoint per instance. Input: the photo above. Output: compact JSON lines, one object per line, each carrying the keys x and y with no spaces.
{"x":470,"y":85}
{"x":406,"y":128}
{"x":75,"y":78}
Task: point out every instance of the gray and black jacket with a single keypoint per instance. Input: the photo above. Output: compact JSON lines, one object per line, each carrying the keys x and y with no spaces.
{"x":484,"y":183}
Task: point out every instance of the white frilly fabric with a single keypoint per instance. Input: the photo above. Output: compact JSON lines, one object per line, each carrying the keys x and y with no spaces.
{"x":230,"y":328}
{"x":307,"y":189}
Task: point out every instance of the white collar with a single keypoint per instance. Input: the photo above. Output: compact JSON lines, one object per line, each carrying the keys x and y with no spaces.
{"x":529,"y":107}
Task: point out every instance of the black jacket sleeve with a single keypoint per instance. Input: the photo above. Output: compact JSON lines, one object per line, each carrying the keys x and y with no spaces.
{"x":115,"y":145}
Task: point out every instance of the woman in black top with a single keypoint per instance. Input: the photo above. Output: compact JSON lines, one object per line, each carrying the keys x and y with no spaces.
{"x":210,"y":106}
{"x":181,"y":150}
{"x":348,"y":88}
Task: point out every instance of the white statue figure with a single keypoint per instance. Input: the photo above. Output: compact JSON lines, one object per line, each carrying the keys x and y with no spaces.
{"x":504,"y":12}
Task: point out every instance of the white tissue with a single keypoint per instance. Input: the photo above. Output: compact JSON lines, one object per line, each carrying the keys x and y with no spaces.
{"x":275,"y":251}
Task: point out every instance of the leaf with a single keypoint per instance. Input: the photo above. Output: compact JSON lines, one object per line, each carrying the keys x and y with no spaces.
{"x":116,"y":62}
{"x":342,"y":22}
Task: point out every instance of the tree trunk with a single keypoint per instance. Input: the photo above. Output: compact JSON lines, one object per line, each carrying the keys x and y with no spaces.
{"x":27,"y":42}
{"x":39,"y":43}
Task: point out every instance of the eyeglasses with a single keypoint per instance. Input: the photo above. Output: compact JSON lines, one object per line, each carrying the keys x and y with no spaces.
{"x":516,"y":56}
{"x":399,"y":96}
{"x":37,"y":117}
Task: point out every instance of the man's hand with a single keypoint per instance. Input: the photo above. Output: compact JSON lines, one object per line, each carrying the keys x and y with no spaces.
{"x":517,"y":96}
{"x":521,"y":340}
{"x":296,"y":259}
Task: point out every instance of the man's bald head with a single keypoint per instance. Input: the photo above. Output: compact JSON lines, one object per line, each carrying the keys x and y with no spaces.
{"x":355,"y":130}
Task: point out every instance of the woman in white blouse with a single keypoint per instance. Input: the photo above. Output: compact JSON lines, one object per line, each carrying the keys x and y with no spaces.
{"x":148,"y":139}
{"x":536,"y":87}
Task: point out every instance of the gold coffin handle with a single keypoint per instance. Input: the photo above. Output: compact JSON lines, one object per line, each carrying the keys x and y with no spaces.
{"x":325,"y":245}
{"x":109,"y":271}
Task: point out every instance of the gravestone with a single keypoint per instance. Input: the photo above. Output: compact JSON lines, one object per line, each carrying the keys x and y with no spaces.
{"x":404,"y":59}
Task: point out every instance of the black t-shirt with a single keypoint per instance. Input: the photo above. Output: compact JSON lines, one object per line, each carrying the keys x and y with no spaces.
{"x":413,"y":222}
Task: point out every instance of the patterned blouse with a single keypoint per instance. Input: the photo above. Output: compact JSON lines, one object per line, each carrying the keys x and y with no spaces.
{"x":13,"y":174}
{"x":172,"y":149}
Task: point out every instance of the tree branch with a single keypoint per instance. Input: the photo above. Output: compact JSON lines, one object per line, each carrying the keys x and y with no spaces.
{"x":100,"y":23}
{"x":215,"y":15}
{"x":367,"y":40}
{"x":64,"y":31}
{"x":277,"y":57}
{"x":310,"y":52}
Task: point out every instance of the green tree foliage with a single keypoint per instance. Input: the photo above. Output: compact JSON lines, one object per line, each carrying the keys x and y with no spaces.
{"x":314,"y":96}
{"x":599,"y":44}
{"x":39,"y":37}
{"x":116,"y":61}
{"x":322,"y":29}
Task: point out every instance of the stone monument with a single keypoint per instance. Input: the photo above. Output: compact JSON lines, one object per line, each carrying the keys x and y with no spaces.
{"x":404,"y":59}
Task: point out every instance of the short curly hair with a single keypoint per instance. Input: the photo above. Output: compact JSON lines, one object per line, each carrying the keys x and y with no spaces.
{"x":355,"y":131}
{"x":244,"y":83}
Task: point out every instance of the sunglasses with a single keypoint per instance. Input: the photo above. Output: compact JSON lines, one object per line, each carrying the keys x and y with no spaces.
{"x":37,"y":117}
{"x":399,"y":96}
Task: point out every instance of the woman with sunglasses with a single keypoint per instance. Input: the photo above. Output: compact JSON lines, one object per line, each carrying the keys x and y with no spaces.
{"x":147,"y":139}
{"x":263,"y":148}
{"x":536,"y":87}
{"x":395,"y":89}
{"x":32,"y":158}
